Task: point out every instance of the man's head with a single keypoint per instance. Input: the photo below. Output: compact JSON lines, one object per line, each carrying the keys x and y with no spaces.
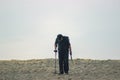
{"x":59,"y":36}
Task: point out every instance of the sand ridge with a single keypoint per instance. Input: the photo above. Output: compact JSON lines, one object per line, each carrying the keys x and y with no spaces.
{"x":43,"y":69}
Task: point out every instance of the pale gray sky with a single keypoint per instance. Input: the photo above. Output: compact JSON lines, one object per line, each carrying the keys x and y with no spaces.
{"x":28,"y":28}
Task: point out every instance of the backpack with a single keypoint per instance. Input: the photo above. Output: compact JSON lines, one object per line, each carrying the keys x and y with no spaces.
{"x":66,"y":42}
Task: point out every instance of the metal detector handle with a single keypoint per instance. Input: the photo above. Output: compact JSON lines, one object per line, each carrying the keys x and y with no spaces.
{"x":55,"y":51}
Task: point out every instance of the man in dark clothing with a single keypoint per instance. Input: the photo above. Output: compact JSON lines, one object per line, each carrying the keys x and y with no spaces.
{"x":64,"y":47}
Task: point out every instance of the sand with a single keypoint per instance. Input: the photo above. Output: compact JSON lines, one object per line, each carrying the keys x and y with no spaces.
{"x":43,"y":69}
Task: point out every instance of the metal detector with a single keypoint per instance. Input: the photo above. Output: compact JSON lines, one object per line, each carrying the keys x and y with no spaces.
{"x":55,"y":61}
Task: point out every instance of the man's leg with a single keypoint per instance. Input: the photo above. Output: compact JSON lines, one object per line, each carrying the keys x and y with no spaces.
{"x":66,"y":63}
{"x":61,"y":63}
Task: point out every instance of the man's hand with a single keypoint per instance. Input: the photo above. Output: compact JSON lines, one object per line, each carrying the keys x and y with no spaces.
{"x":55,"y":50}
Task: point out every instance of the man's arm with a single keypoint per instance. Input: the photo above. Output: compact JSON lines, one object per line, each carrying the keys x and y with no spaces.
{"x":70,"y":49}
{"x":55,"y":46}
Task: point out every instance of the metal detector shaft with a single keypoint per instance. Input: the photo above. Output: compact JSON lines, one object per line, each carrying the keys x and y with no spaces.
{"x":55,"y":61}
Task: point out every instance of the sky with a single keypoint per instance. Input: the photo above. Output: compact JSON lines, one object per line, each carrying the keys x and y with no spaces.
{"x":28,"y":28}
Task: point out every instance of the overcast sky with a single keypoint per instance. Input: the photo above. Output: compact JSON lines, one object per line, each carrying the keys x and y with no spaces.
{"x":28,"y":28}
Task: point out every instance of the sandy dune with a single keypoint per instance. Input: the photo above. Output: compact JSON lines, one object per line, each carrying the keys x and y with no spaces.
{"x":43,"y":69}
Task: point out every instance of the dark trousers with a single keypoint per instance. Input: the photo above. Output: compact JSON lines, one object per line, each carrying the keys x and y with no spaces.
{"x":63,"y":61}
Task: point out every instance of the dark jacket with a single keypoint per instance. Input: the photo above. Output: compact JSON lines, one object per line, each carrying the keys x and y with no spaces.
{"x":63,"y":44}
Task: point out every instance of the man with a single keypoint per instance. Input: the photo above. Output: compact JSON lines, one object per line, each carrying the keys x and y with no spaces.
{"x":64,"y":47}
